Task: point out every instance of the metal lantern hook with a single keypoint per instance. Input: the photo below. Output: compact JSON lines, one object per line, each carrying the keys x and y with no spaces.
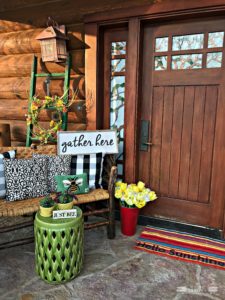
{"x":51,"y":22}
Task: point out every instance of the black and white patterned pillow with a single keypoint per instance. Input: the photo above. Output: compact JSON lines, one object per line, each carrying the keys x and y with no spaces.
{"x":57,"y":165}
{"x":25,"y":178}
{"x":8,"y":154}
{"x":92,"y":165}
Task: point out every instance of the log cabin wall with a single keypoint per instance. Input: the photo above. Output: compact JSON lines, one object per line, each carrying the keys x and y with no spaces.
{"x":20,"y":22}
{"x":17,"y":48}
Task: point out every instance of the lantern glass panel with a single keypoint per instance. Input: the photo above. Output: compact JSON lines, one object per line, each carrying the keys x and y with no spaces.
{"x":48,"y":49}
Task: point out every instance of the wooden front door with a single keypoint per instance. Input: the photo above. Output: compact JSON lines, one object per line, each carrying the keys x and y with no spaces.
{"x":183,"y":100}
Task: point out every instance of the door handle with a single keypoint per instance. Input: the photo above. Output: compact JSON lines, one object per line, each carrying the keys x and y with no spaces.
{"x":148,"y":144}
{"x":144,"y":137}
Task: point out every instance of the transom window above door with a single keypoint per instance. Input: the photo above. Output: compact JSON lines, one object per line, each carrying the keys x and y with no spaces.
{"x":189,"y":51}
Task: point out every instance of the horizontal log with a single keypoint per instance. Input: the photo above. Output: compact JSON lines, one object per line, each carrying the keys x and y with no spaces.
{"x":21,"y":42}
{"x":10,"y":26}
{"x":5,"y":139}
{"x":18,"y":129}
{"x":14,"y":109}
{"x":12,"y":4}
{"x":18,"y":88}
{"x":18,"y":144}
{"x":20,"y":65}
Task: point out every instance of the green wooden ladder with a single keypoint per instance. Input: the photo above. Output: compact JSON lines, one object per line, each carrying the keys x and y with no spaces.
{"x":34,"y":75}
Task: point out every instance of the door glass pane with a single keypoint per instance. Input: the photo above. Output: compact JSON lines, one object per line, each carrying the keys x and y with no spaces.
{"x":118,"y":48}
{"x":161,"y":44}
{"x":214,"y":60}
{"x":118,"y":65}
{"x":117,"y":98}
{"x":187,"y":61}
{"x":187,"y":42}
{"x":215,"y":39}
{"x":160,"y":63}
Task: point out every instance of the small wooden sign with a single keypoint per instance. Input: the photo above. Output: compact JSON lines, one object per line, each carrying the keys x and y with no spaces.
{"x":64,"y":214}
{"x":87,"y":142}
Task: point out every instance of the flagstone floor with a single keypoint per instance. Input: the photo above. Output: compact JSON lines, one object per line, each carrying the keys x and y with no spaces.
{"x":112,"y":270}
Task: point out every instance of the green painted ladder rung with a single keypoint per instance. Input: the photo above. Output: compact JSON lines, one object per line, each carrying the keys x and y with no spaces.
{"x":50,"y":75}
{"x":34,"y":75}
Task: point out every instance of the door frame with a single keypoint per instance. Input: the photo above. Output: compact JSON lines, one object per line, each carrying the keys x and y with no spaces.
{"x":134,"y":19}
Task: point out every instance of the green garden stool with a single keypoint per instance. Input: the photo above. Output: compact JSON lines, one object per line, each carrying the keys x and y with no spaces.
{"x":58,"y":247}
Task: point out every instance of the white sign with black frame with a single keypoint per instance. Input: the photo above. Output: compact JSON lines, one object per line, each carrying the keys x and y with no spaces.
{"x":64,"y":214}
{"x":87,"y":142}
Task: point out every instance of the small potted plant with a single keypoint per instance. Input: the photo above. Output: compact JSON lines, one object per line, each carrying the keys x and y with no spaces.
{"x":132,"y":198}
{"x":64,"y":200}
{"x":46,"y":206}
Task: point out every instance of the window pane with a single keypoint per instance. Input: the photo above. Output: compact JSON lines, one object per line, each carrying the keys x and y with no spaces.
{"x":120,"y":169}
{"x":118,"y":65}
{"x":161,"y":44}
{"x":187,"y":42}
{"x":214,"y":60}
{"x":187,"y":61}
{"x":118,"y":48}
{"x":215,"y":39}
{"x":117,"y":98}
{"x":160,"y":63}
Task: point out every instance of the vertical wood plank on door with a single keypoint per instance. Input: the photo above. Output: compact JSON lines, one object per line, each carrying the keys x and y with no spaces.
{"x":157,"y":116}
{"x":176,"y":140}
{"x":189,"y":94}
{"x":207,"y":143}
{"x":196,"y":145}
{"x":146,"y":103}
{"x":166,"y":140}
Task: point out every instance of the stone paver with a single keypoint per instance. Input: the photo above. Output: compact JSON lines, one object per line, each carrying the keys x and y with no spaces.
{"x":112,"y":270}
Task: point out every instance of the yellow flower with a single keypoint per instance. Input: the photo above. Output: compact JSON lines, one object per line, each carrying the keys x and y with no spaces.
{"x":128,"y":200}
{"x":140,"y":203}
{"x":34,"y":106}
{"x":140,"y":185}
{"x":59,"y":103}
{"x":118,"y":194}
{"x":152,"y":196}
{"x":131,"y":185}
{"x":118,"y":183}
{"x":48,"y":98}
{"x":140,"y":196}
{"x":123,"y":186}
{"x":135,"y":189}
{"x":52,"y":123}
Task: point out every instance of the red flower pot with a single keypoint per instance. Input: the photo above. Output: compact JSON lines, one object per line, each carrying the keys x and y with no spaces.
{"x":128,"y":219}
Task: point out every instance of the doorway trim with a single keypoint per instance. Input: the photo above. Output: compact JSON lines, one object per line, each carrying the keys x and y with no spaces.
{"x":94,"y":28}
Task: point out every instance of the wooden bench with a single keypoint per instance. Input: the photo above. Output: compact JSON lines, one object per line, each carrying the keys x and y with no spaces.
{"x":99,"y":202}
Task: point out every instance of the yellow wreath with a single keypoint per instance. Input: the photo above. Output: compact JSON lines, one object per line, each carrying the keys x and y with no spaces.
{"x":37,"y":105}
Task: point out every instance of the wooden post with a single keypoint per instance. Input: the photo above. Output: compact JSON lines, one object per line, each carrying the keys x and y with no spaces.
{"x":131,"y":90}
{"x":5,"y":139}
{"x":91,"y":35}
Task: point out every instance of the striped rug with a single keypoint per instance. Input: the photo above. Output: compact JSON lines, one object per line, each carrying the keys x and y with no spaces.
{"x":182,"y":246}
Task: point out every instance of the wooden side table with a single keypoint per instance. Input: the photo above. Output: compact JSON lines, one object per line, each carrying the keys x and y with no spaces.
{"x":58,"y":247}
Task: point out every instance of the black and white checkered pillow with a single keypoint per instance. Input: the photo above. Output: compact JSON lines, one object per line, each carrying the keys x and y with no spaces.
{"x":8,"y":154}
{"x":92,"y":165}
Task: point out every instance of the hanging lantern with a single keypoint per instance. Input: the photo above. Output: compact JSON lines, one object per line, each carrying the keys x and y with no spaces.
{"x":53,"y":43}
